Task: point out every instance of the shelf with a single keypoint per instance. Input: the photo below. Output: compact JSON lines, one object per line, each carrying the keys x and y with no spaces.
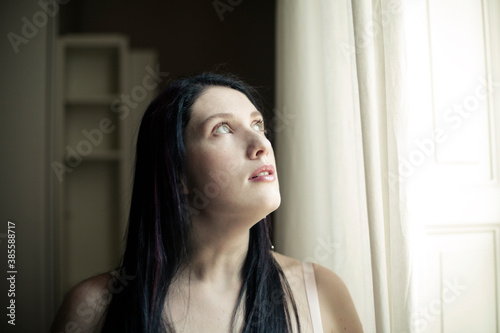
{"x":94,"y":40}
{"x":95,"y":144}
{"x":104,"y":156}
{"x":92,"y":71}
{"x":92,"y":143}
{"x":91,"y":218}
{"x":96,"y":99}
{"x":98,"y":156}
{"x":94,"y":125}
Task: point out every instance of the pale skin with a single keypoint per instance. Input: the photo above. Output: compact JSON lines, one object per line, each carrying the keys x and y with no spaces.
{"x":225,"y":145}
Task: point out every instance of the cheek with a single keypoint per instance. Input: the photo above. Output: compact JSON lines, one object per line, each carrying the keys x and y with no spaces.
{"x":205,"y":165}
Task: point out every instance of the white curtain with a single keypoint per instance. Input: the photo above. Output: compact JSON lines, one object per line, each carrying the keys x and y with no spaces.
{"x":340,"y":127}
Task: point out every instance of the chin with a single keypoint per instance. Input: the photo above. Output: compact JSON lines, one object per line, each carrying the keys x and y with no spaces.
{"x":264,"y":208}
{"x":277,"y":203}
{"x":272,"y":204}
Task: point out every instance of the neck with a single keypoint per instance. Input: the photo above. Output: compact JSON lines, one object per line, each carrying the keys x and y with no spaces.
{"x":217,"y":252}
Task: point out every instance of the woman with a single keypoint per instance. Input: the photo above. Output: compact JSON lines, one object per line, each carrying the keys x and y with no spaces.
{"x":198,"y":256}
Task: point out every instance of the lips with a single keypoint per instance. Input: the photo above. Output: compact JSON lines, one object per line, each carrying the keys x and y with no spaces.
{"x":264,"y":173}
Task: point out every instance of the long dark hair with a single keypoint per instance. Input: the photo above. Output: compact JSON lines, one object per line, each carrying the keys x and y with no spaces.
{"x":159,"y":227}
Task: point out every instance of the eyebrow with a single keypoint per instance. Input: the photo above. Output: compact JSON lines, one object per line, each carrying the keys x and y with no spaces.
{"x":228,"y":116}
{"x":218,"y":115}
{"x":256,"y":113}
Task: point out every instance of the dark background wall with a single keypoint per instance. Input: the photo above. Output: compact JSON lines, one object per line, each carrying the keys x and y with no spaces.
{"x":190,"y":35}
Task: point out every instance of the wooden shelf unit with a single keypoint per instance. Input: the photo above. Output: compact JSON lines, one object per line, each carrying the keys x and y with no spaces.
{"x":94,"y":148}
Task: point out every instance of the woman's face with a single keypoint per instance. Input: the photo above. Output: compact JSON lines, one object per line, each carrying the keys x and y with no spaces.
{"x":231,"y":170}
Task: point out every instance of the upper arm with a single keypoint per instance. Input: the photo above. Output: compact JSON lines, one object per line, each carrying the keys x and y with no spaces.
{"x":83,"y":307}
{"x":338,"y":313}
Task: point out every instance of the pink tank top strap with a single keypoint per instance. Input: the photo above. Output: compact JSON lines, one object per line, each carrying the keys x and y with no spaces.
{"x":312,"y":296}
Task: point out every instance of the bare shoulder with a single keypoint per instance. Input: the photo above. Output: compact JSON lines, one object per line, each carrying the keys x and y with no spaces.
{"x":338,"y":313}
{"x":84,"y":306}
{"x":337,"y":308}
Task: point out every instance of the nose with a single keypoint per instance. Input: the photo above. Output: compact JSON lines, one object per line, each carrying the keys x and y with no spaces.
{"x":258,"y":146}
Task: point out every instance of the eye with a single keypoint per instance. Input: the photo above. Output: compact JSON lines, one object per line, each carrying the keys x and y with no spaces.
{"x":259,"y":126}
{"x":222,"y":128}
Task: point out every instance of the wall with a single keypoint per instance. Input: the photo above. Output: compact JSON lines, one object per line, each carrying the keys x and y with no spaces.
{"x":24,"y":167}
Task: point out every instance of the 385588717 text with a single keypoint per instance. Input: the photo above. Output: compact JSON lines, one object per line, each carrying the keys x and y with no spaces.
{"x":11,"y":272}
